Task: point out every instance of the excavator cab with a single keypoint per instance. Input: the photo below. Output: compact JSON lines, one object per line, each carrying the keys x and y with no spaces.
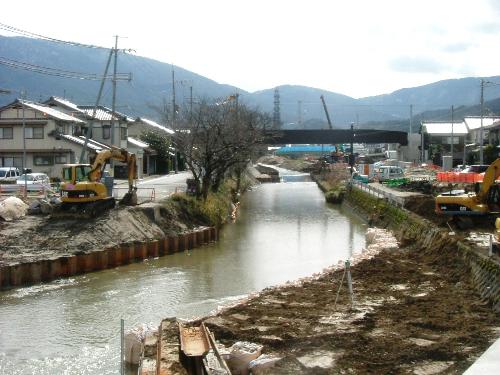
{"x":73,"y":173}
{"x":85,"y":195}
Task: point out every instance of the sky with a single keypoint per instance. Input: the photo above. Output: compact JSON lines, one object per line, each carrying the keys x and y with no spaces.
{"x":357,"y":48}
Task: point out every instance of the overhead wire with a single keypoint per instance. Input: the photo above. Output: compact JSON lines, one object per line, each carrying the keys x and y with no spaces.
{"x":54,"y":71}
{"x":18,"y":31}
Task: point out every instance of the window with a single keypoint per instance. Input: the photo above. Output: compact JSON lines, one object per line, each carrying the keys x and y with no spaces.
{"x":6,"y":133}
{"x":11,"y":161}
{"x":61,"y":159}
{"x":106,"y":132}
{"x":43,"y":159}
{"x":123,"y":134}
{"x":33,"y":132}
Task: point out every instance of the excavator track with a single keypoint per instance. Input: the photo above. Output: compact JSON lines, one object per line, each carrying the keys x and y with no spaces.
{"x":88,"y":210}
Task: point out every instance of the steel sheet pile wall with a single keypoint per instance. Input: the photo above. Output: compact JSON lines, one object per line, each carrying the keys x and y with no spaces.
{"x":50,"y":269}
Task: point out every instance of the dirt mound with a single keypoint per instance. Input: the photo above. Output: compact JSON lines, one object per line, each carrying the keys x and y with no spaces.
{"x":411,"y":312}
{"x":37,"y":237}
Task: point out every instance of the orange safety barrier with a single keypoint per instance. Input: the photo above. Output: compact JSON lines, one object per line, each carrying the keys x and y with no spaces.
{"x":457,"y":177}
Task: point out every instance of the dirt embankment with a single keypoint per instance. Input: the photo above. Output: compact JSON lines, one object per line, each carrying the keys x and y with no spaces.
{"x":39,"y":237}
{"x":415,"y":312}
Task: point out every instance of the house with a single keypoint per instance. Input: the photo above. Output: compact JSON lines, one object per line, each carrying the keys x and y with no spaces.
{"x":99,"y":120}
{"x":49,"y":139}
{"x":439,"y":138}
{"x":473,"y":124}
{"x":136,"y":130}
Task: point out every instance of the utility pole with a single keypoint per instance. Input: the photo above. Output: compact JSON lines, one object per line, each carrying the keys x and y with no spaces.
{"x":411,"y":118}
{"x":94,"y":111}
{"x":113,"y":103}
{"x":299,"y":112}
{"x":351,"y":158}
{"x":276,"y":111}
{"x":481,"y":131}
{"x":191,"y":102}
{"x":176,"y":167}
{"x":452,"y":135}
{"x":23,"y":98}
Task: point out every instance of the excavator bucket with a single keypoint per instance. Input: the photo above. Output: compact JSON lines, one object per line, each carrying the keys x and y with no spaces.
{"x":130,"y":198}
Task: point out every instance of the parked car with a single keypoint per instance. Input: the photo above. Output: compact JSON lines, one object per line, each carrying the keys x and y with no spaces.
{"x":34,"y":181}
{"x":388,"y":172}
{"x":8,"y":175}
{"x":479,"y":168}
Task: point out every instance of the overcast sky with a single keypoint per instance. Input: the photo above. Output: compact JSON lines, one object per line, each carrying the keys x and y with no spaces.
{"x":353,"y":47}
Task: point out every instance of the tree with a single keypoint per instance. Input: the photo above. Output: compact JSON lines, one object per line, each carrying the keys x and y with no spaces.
{"x":161,"y":144}
{"x":217,"y":138}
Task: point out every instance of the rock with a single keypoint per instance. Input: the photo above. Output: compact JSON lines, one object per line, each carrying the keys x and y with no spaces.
{"x":13,"y":208}
{"x":257,"y":366}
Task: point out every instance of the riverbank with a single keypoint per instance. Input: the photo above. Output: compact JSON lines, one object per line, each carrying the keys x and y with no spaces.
{"x":39,"y":248}
{"x":417,"y":309}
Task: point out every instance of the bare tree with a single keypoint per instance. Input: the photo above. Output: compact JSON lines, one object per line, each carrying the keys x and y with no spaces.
{"x":218,"y":137}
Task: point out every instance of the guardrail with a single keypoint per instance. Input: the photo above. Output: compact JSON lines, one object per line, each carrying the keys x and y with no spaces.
{"x":379,"y":193}
{"x":32,"y":191}
{"x":143,"y":194}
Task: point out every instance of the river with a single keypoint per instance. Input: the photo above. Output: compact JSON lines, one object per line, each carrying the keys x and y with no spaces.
{"x":72,"y":326}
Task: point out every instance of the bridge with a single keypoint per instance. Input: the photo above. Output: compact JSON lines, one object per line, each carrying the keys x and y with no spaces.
{"x":335,"y":136}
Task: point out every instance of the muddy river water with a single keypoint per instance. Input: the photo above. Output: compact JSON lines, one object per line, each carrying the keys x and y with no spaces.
{"x":72,"y":326}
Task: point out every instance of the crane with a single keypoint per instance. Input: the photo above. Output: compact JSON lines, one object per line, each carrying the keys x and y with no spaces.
{"x":338,"y":155}
{"x":326,"y":112}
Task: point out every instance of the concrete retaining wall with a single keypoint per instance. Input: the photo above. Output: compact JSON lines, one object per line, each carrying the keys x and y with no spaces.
{"x":50,"y":269}
{"x":411,"y":228}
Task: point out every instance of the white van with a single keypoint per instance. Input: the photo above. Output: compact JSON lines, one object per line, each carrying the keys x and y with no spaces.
{"x":387,"y":172}
{"x":8,"y":175}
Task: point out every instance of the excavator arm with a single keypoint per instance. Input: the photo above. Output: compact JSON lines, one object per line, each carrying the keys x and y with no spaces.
{"x":124,"y":156}
{"x":491,"y":174}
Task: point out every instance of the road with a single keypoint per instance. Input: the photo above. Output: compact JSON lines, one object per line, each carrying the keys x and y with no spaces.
{"x":160,"y":187}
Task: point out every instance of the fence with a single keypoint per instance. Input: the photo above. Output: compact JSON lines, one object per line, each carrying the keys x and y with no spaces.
{"x":377,"y":192}
{"x":457,"y":177}
{"x":36,"y":191}
{"x":143,"y":194}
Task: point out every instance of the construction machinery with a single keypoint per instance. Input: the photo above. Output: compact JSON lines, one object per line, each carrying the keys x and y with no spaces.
{"x":84,"y":194}
{"x":485,"y":200}
{"x":338,"y":155}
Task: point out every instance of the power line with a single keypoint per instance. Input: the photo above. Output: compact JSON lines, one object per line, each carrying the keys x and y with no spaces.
{"x":30,"y":34}
{"x":58,"y":72}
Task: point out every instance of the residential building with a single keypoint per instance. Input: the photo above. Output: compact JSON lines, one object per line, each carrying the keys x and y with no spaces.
{"x":439,"y":138}
{"x":139,"y":127}
{"x":48,"y":140}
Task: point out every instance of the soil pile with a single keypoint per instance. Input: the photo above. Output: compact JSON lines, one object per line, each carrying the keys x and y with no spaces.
{"x":415,"y":312}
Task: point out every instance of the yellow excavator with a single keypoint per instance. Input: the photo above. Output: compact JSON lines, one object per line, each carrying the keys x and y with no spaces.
{"x":484,"y":201}
{"x":82,"y":192}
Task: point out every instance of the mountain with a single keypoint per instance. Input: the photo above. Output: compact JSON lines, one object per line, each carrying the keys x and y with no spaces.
{"x":151,"y":82}
{"x":437,"y":95}
{"x":151,"y":86}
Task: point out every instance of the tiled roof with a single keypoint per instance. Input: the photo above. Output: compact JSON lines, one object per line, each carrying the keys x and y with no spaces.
{"x":155,"y":125}
{"x":137,"y":143}
{"x":81,"y":141}
{"x":49,"y":111}
{"x":103,"y":113}
{"x":66,"y":103}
